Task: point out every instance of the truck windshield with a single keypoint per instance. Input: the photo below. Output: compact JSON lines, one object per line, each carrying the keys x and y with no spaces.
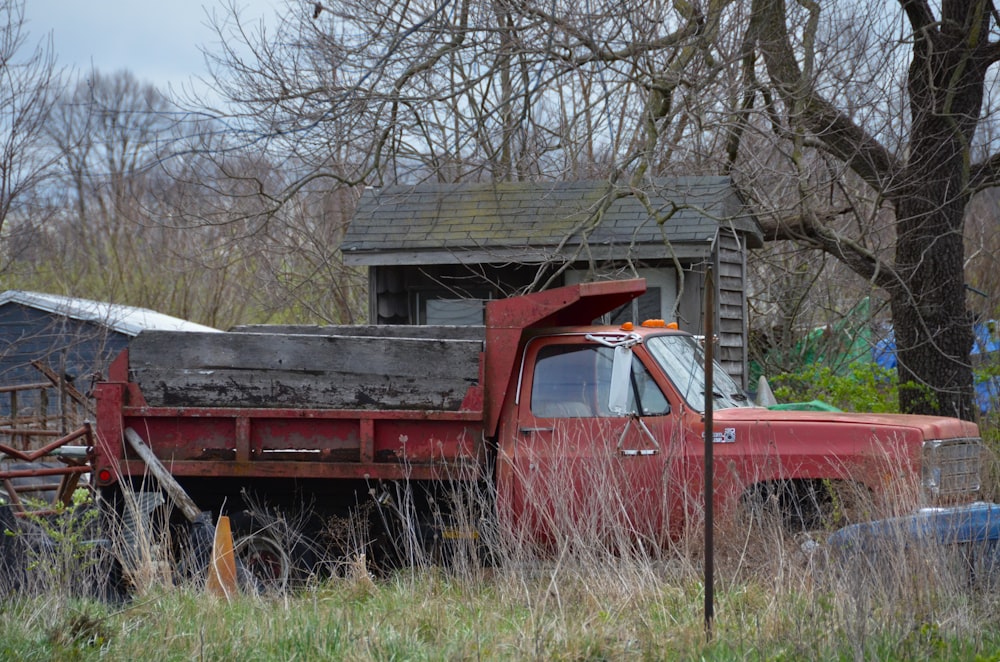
{"x":683,"y":359}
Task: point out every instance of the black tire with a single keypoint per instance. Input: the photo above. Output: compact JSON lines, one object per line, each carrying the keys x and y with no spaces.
{"x":798,"y":505}
{"x":267,"y":566}
{"x":276,"y":557}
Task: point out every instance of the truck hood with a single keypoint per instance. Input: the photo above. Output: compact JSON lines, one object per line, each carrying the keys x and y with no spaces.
{"x":932,"y":427}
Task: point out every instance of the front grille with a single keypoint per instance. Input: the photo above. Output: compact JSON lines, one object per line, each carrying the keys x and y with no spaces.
{"x":951,"y":468}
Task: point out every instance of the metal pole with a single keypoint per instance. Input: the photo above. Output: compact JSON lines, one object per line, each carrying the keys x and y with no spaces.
{"x":709,"y":473}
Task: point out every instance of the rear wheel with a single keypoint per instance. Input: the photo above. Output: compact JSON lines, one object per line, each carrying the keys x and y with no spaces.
{"x":265,"y":561}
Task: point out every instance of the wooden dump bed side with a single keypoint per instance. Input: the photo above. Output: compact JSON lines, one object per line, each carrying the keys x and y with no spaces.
{"x":264,"y":370}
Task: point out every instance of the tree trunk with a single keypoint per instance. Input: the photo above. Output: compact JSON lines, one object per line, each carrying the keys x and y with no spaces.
{"x":933,"y":327}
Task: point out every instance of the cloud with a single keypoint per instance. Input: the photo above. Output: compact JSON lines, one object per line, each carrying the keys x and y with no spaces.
{"x":158,"y":42}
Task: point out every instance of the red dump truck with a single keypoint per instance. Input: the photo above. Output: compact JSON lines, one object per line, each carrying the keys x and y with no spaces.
{"x":557,"y":428}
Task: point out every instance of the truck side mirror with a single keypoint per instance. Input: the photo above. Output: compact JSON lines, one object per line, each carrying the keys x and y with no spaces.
{"x":621,"y":379}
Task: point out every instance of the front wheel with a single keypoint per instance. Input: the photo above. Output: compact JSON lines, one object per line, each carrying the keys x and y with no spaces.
{"x":805,"y":505}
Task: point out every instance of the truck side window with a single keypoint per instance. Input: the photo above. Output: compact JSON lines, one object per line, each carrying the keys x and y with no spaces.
{"x":565,"y":381}
{"x":574,"y":381}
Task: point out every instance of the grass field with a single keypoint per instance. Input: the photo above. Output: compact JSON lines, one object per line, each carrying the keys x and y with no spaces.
{"x":574,"y":614}
{"x":773,"y":602}
{"x":778,"y":596}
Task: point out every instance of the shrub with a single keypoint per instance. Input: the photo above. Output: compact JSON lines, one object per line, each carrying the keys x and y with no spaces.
{"x":863,"y":387}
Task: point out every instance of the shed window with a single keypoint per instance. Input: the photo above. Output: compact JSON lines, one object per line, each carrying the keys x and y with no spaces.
{"x":446,"y":308}
{"x":460,"y":312}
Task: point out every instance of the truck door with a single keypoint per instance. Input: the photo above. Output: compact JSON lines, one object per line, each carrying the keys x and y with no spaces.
{"x":584,"y":470}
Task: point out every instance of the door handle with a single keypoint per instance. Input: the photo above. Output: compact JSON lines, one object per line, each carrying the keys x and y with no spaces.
{"x":531,"y":430}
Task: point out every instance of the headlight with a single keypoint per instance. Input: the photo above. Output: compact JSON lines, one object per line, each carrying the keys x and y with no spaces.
{"x":950,"y":468}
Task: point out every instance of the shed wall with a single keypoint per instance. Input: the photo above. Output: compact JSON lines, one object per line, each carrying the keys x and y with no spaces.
{"x":69,"y":347}
{"x":732,"y":306}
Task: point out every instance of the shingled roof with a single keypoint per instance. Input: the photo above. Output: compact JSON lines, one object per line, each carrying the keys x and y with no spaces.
{"x":537,"y":222}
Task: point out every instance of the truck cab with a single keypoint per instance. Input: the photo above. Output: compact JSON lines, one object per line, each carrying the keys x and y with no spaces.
{"x":607,"y":438}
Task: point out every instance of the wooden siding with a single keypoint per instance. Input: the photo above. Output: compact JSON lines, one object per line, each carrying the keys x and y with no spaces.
{"x":731,"y":306}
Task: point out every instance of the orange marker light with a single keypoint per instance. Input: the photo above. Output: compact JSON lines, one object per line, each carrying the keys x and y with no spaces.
{"x":654,"y":324}
{"x":627,"y":326}
{"x":673,"y":325}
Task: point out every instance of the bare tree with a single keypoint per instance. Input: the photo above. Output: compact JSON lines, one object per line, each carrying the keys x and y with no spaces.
{"x":113,"y":212}
{"x":377,"y":91}
{"x":367,"y":92}
{"x":153,"y":208}
{"x":854,"y":130}
{"x":29,"y":84}
{"x":919,"y":166}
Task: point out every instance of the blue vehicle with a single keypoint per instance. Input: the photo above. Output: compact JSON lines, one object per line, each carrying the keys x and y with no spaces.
{"x":969,"y":534}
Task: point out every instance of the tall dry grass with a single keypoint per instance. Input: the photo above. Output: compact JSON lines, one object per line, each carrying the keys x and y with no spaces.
{"x":582,"y":579}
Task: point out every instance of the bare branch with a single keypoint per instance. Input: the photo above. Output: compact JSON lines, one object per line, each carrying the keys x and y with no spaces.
{"x":815,"y":231}
{"x":840,"y":136}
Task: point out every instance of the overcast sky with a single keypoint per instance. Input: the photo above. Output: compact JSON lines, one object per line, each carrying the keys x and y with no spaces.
{"x":157,"y":41}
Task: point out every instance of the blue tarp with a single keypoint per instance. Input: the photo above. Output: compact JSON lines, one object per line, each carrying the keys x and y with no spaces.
{"x":986,"y":342}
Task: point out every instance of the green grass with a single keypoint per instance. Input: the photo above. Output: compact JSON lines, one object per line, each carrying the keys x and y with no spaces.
{"x":587,"y":613}
{"x":586,"y":602}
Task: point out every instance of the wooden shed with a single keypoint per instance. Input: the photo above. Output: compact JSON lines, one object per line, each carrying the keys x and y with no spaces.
{"x":437,"y":252}
{"x":47,"y":337}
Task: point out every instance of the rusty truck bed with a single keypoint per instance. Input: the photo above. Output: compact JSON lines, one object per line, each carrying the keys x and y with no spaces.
{"x":295,"y":406}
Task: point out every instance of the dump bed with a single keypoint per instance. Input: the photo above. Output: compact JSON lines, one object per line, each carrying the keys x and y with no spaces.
{"x":320,"y":402}
{"x":330,"y":368}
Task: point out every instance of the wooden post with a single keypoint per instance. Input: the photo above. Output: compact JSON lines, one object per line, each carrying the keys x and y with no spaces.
{"x":43,"y":409}
{"x":167,"y":482}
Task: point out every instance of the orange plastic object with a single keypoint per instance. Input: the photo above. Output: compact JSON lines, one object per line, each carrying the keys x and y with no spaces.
{"x":222,"y":569}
